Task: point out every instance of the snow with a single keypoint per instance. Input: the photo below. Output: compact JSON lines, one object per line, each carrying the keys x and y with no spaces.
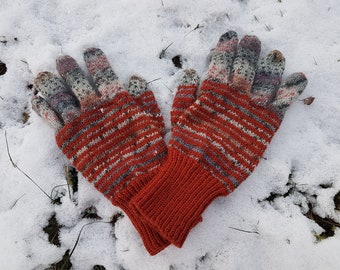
{"x":245,"y":230}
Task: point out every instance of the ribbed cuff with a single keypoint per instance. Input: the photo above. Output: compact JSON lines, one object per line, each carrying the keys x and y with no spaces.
{"x":152,"y":240}
{"x":174,"y":200}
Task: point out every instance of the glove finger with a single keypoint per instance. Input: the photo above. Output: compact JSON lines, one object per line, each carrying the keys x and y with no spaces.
{"x":138,"y":88}
{"x":77,"y":81}
{"x":222,"y":58}
{"x":186,"y":94}
{"x":103,"y":75}
{"x":45,"y":111}
{"x":245,"y":63}
{"x":59,"y":98}
{"x":291,"y":88}
{"x":268,"y":77}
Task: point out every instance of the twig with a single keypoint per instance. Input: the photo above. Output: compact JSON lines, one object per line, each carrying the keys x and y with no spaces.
{"x":162,"y":54}
{"x":57,"y":187}
{"x":16,"y":201}
{"x":171,"y":91}
{"x":20,"y":170}
{"x":197,"y":27}
{"x":153,"y":80}
{"x":82,"y":228}
{"x":245,"y":231}
{"x":28,"y":66}
{"x":315,"y":63}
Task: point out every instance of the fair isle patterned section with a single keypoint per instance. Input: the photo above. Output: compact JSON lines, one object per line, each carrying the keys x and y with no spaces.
{"x":112,"y":145}
{"x":225,"y":133}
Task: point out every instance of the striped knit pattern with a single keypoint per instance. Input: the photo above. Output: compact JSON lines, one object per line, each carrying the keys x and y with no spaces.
{"x":215,"y":145}
{"x":220,"y":137}
{"x":115,"y":147}
{"x":225,"y":133}
{"x":111,"y":145}
{"x":144,"y":97}
{"x":186,"y":94}
{"x":112,"y":138}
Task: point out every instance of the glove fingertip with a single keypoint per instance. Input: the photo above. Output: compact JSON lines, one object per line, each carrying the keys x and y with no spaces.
{"x":189,"y":77}
{"x":66,"y":64}
{"x":137,"y":86}
{"x":291,"y":88}
{"x":42,"y":108}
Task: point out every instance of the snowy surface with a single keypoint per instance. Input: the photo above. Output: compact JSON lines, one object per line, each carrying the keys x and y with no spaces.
{"x":263,"y":224}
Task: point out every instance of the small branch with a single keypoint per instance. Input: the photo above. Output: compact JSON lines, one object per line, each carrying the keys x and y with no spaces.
{"x":197,"y":27}
{"x":20,"y":170}
{"x":81,"y":230}
{"x":153,"y":80}
{"x":16,"y":201}
{"x":245,"y":231}
{"x":315,"y":63}
{"x":162,"y":54}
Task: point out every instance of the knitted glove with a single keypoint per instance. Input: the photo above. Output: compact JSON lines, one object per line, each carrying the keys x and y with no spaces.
{"x":220,"y":138}
{"x":115,"y":139}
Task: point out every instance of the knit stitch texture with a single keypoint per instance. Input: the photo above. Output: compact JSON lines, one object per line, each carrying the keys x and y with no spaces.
{"x":220,"y":137}
{"x":113,"y":138}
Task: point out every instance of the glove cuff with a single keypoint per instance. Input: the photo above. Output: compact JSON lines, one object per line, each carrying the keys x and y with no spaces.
{"x":175,"y":198}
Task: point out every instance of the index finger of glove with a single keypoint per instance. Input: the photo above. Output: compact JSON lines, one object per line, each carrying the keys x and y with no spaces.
{"x":77,"y":81}
{"x":102,"y":73}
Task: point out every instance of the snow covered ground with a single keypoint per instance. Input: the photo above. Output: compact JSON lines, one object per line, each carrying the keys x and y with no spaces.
{"x":277,"y":219}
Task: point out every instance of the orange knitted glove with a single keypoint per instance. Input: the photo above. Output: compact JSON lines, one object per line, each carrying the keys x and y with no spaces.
{"x":113,"y":138}
{"x":220,"y":138}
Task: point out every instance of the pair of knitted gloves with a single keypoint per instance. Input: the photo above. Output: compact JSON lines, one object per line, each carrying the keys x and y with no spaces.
{"x":220,"y":130}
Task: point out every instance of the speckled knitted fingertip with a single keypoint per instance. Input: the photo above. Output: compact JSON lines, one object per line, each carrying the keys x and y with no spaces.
{"x":76,"y":79}
{"x":58,"y":97}
{"x":290,"y":89}
{"x":102,"y":73}
{"x":268,"y":78}
{"x":140,"y":91}
{"x":222,"y":58}
{"x":245,"y":63}
{"x":44,"y":110}
{"x":186,"y":94}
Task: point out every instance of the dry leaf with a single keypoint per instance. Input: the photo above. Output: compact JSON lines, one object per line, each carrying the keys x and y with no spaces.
{"x":308,"y":101}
